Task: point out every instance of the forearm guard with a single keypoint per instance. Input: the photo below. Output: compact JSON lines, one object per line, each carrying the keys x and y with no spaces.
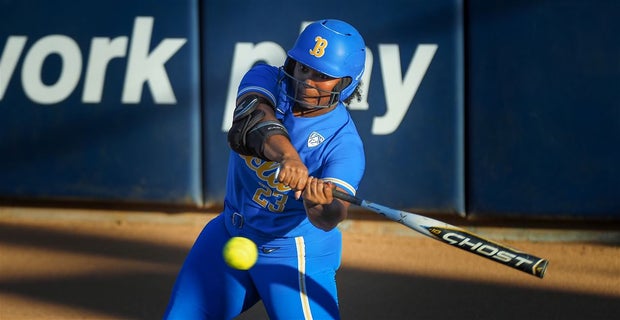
{"x":248,"y":134}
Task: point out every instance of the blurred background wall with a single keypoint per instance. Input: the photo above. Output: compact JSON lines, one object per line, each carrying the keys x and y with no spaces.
{"x":488,"y":109}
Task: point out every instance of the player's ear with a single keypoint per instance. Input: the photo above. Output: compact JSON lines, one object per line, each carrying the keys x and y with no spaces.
{"x":343,"y":83}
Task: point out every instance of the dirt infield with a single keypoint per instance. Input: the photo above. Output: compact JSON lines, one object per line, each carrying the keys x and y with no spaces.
{"x":70,"y":264}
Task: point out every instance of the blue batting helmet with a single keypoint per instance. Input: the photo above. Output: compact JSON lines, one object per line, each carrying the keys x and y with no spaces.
{"x":334,"y":48}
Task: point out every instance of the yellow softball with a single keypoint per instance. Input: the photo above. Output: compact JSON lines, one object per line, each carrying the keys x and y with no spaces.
{"x":240,"y":253}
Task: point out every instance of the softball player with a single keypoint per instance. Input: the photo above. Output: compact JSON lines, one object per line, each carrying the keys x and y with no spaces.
{"x":291,"y":122}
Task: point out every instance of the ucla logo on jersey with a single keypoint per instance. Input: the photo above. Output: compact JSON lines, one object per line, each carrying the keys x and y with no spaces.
{"x":320,"y":44}
{"x":315,"y":139}
{"x":270,"y":194}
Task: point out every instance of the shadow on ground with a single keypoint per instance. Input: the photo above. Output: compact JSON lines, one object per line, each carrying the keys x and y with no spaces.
{"x":135,"y":294}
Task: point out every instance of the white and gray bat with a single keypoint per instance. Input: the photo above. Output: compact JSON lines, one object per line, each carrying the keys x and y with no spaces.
{"x":455,"y":236}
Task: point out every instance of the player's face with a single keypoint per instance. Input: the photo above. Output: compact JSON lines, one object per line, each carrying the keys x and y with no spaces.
{"x":317,"y":87}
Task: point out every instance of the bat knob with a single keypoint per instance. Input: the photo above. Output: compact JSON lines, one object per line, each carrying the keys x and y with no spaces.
{"x":277,"y":173}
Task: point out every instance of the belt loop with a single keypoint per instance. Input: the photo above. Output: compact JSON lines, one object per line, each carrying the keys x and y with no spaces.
{"x":237,"y":220}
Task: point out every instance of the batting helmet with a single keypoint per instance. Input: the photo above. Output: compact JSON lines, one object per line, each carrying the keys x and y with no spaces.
{"x":334,"y":48}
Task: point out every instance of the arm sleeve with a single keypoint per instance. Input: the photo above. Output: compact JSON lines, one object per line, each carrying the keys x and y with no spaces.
{"x":346,"y":164}
{"x":261,"y":78}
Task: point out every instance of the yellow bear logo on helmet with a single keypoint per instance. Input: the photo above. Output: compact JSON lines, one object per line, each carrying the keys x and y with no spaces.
{"x":320,"y":44}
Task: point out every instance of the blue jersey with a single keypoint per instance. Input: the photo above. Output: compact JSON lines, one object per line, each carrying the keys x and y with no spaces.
{"x":329,"y":146}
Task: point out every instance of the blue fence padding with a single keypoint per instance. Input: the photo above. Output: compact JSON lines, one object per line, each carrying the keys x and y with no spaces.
{"x":543,"y":108}
{"x":130,"y":102}
{"x":73,"y":127}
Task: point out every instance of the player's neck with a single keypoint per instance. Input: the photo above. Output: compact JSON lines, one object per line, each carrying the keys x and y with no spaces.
{"x":299,"y":111}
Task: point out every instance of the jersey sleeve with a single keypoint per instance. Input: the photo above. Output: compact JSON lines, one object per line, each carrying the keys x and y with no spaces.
{"x":261,"y":78}
{"x":346,"y":163}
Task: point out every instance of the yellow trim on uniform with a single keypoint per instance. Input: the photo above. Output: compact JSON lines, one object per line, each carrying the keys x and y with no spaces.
{"x":301,"y":268}
{"x":342,"y":183}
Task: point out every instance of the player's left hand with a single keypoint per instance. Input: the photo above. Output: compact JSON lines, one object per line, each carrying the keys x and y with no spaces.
{"x":294,"y":174}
